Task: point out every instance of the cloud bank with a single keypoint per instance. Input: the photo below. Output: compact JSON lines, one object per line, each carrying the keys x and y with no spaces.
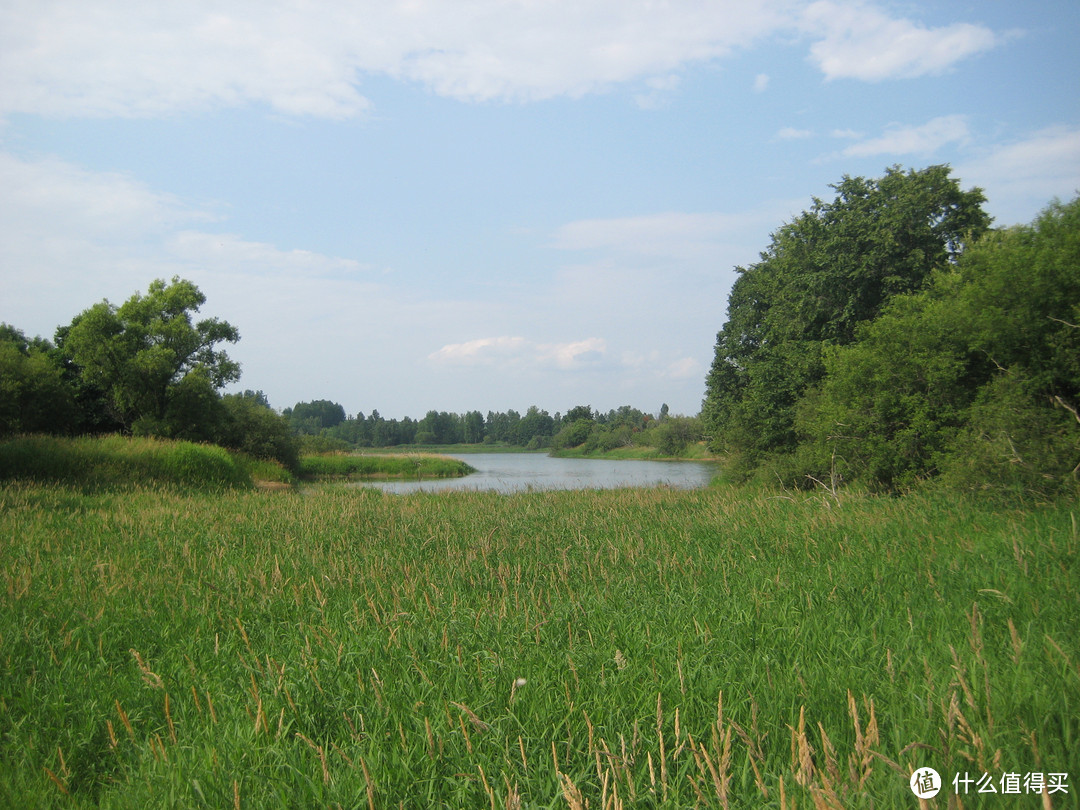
{"x":116,"y":58}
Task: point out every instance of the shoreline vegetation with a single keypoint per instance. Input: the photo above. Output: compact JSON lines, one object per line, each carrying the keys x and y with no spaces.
{"x":122,"y":462}
{"x":168,"y":642}
{"x":365,"y":466}
{"x":119,"y":461}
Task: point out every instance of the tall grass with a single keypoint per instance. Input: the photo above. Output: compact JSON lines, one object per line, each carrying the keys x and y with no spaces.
{"x":413,"y":465}
{"x":112,"y":461}
{"x":634,"y":648}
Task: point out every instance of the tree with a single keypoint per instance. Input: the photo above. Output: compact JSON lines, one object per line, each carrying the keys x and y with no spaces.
{"x":315,"y":416}
{"x":252,"y":426}
{"x":158,"y":371}
{"x":825,"y":273}
{"x":473,"y":427}
{"x":34,"y":395}
{"x":975,"y":378}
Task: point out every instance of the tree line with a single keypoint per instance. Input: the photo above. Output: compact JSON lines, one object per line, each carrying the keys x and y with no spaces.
{"x":144,"y":368}
{"x":887,"y":337}
{"x":150,"y":367}
{"x":324,"y":424}
{"x":891,"y":336}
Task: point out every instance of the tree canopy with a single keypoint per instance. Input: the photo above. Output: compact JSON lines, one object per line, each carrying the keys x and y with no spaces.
{"x":157,"y":369}
{"x":975,"y":378}
{"x":826,"y":272}
{"x":890,"y":337}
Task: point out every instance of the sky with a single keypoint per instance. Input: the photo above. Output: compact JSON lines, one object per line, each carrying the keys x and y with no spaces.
{"x":414,"y":205}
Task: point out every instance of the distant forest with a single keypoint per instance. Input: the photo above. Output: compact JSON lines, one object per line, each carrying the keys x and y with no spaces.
{"x":325,"y":425}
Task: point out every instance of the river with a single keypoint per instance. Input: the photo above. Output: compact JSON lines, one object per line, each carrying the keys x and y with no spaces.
{"x":521,"y":472}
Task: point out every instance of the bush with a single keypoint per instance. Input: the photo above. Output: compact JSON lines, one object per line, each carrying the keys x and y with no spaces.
{"x":1012,"y":444}
{"x":255,"y":429}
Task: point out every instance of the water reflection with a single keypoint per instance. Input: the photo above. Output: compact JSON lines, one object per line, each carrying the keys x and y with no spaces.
{"x":520,"y":472}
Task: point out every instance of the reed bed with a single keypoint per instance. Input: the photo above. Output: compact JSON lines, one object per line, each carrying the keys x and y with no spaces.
{"x":386,"y":465}
{"x":637,"y":648}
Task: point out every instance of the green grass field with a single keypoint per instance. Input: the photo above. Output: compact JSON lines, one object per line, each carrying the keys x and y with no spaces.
{"x":335,"y":647}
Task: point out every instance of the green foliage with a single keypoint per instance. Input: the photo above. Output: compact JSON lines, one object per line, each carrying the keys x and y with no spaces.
{"x":118,"y":461}
{"x":977,"y":376}
{"x":158,"y":371}
{"x":668,"y":648}
{"x":312,"y":417}
{"x":674,"y":434}
{"x":251,"y":426}
{"x":412,"y":465}
{"x":34,"y":395}
{"x":1013,"y":443}
{"x":573,"y":434}
{"x":825,"y":273}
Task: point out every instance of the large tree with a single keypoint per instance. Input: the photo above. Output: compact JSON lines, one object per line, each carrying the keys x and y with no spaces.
{"x":158,"y":370}
{"x":829,"y":270}
{"x":975,"y":378}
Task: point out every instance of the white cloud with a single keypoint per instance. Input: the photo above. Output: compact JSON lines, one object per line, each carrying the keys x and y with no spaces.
{"x":761,"y":82}
{"x":228,"y":251}
{"x":659,"y":90}
{"x":663,"y":366}
{"x":914,"y":140}
{"x":482,"y":350}
{"x":70,"y":237}
{"x":860,"y":41}
{"x":670,"y":234}
{"x":108,"y":205}
{"x":575,"y":355}
{"x":793,"y":134}
{"x":507,"y":351}
{"x":1021,"y":177}
{"x":684,"y":369}
{"x":117,"y":58}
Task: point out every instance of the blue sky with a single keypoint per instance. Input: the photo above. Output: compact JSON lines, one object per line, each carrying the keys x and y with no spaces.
{"x":420,"y":205}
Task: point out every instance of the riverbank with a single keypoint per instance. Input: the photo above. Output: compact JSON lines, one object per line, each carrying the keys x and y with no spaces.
{"x":668,"y":648}
{"x":698,"y":451}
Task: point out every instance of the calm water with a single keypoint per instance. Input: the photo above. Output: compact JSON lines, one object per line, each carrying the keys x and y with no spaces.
{"x":517,"y":472}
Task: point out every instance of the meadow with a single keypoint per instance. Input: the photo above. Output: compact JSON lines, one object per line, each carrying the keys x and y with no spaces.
{"x":163,"y":646}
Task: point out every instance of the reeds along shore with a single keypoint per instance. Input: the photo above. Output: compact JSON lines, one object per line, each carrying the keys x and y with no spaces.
{"x":635,"y":648}
{"x":411,"y":465}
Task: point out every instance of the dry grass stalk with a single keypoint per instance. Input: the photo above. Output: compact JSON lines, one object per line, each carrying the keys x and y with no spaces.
{"x":861,"y":759}
{"x":570,"y":792}
{"x":802,"y":755}
{"x":56,"y":780}
{"x":124,"y":720}
{"x":318,"y":749}
{"x":1017,"y":644}
{"x":476,"y":721}
{"x":513,"y":797}
{"x":369,"y":785}
{"x":660,"y":736}
{"x":152,"y":679}
{"x":169,"y":720}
